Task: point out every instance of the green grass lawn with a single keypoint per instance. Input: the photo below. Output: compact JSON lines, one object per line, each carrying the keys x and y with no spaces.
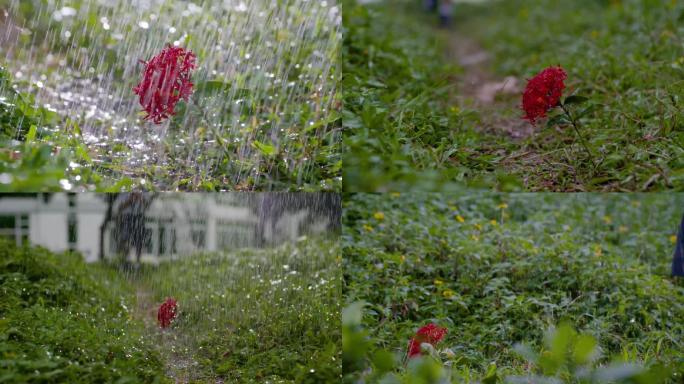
{"x":253,"y":316}
{"x":405,"y":127}
{"x":501,"y":269}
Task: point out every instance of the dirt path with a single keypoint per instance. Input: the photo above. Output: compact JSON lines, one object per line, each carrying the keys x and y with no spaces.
{"x":496,"y":99}
{"x":180,"y":366}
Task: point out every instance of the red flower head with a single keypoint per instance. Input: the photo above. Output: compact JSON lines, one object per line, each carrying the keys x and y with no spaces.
{"x":430,"y":333}
{"x":543,"y":92}
{"x":167,"y":312}
{"x":165,"y":80}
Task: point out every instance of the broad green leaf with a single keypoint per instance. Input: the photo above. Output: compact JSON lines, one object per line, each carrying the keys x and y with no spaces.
{"x":575,"y":99}
{"x":266,"y":149}
{"x":31,"y":135}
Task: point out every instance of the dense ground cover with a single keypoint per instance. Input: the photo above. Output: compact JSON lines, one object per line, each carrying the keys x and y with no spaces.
{"x":626,"y":56}
{"x":396,"y":118}
{"x":263,"y":114}
{"x":255,"y":315}
{"x":64,"y":321}
{"x":252,"y":316}
{"x":501,"y":269}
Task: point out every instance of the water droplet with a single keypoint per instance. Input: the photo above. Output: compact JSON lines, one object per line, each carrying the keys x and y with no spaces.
{"x":65,"y":184}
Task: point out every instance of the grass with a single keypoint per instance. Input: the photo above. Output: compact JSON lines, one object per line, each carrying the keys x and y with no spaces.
{"x":257,"y":315}
{"x":500,"y":269}
{"x":252,"y":316}
{"x":625,"y":56}
{"x":396,"y":114}
{"x":64,"y":321}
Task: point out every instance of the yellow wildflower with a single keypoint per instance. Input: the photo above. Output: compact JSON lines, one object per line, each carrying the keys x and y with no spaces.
{"x":379,"y":216}
{"x":478,"y":226}
{"x":475,"y":238}
{"x":597,"y":250}
{"x":368,"y":228}
{"x":395,"y":194}
{"x":502,"y":206}
{"x":448,"y":293}
{"x":460,"y":219}
{"x":494,"y":222}
{"x":673,"y":239}
{"x":438,"y":282}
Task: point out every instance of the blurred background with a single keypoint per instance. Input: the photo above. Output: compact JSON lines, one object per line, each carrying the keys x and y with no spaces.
{"x":149,"y":227}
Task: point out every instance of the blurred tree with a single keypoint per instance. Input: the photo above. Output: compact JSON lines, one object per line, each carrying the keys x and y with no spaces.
{"x":128,"y":212}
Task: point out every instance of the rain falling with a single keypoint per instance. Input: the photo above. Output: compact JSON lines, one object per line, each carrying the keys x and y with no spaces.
{"x":262,"y":114}
{"x":149,"y":287}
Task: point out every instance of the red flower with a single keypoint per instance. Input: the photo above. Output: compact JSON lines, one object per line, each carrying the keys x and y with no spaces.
{"x":165,"y":80}
{"x":430,"y":333}
{"x":167,"y":312}
{"x":543,"y":92}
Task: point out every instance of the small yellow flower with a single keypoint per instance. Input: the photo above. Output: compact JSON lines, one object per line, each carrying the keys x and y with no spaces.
{"x":478,"y":226}
{"x":494,"y":223}
{"x":438,"y":282}
{"x":402,"y":259}
{"x":395,"y":194}
{"x":622,"y":229}
{"x":607,"y":219}
{"x":448,"y":293}
{"x":475,"y":238}
{"x":379,"y":216}
{"x":597,"y":250}
{"x":460,"y":219}
{"x":368,"y":228}
{"x":502,"y":206}
{"x":673,"y":239}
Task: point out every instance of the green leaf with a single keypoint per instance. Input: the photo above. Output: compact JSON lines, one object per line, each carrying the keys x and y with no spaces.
{"x":31,"y":135}
{"x":557,"y":120}
{"x":353,"y":314}
{"x":585,"y":349}
{"x":211,"y":86}
{"x":575,"y":99}
{"x":266,"y":149}
{"x":383,"y":361}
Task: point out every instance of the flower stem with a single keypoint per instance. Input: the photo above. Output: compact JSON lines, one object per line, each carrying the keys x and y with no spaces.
{"x":579,"y":135}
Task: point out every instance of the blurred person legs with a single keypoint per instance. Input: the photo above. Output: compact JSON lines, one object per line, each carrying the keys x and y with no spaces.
{"x":446,"y":9}
{"x":430,"y":5}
